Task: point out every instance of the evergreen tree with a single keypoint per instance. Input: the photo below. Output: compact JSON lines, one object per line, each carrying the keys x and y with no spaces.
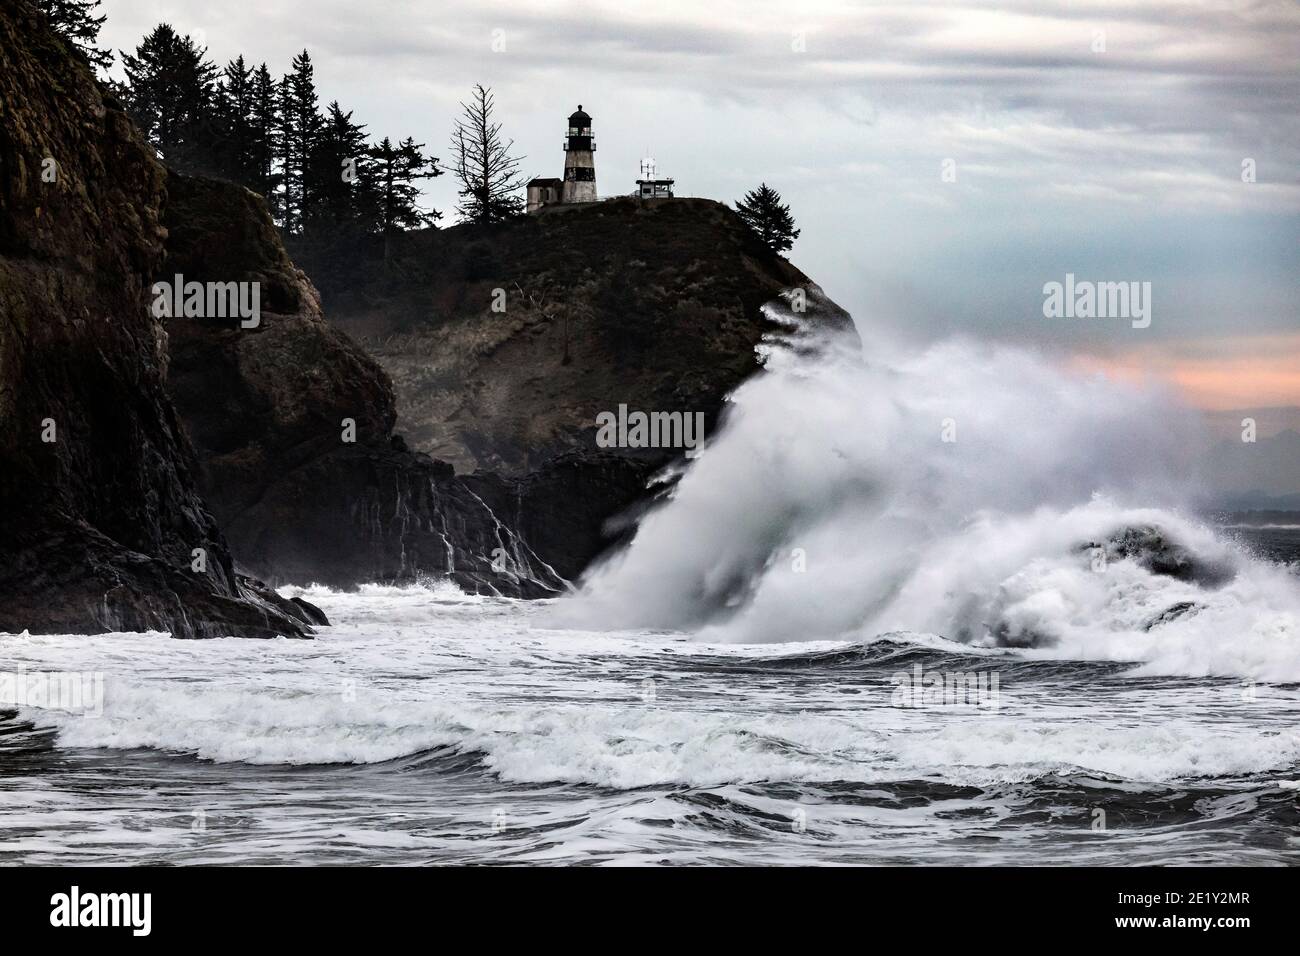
{"x":763,"y":211}
{"x":300,"y":127}
{"x":76,"y":22}
{"x":396,"y":171}
{"x":489,"y":175}
{"x":235,"y":108}
{"x":339,"y":184}
{"x":169,"y":91}
{"x":264,"y":140}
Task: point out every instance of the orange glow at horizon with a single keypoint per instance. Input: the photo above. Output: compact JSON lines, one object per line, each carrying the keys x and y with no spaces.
{"x":1260,"y":374}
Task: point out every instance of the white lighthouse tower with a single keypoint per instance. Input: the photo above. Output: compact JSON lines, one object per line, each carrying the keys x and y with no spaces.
{"x":579,"y":160}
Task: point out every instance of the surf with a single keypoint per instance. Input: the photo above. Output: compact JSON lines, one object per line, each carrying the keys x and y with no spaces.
{"x":977,"y":492}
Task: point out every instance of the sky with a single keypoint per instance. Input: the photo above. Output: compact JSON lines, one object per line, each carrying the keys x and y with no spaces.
{"x":944,"y":161}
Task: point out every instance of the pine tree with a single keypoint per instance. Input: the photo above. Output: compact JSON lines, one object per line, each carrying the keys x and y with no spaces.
{"x":396,"y":170}
{"x":264,"y":140}
{"x":341,"y":188}
{"x":763,"y":211}
{"x":169,"y":91}
{"x":300,"y":126}
{"x":76,"y":22}
{"x":235,"y":107}
{"x":489,"y":175}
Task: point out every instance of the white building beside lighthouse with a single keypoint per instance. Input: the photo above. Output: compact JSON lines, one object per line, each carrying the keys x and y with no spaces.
{"x":650,"y":185}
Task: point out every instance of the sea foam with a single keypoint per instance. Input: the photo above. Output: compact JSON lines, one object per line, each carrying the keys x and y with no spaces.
{"x":962,"y":491}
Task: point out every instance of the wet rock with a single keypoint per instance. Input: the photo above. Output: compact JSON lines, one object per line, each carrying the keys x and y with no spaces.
{"x":1173,"y":613}
{"x":293,"y":423}
{"x":311,"y":612}
{"x":1152,"y":549}
{"x":103,"y":525}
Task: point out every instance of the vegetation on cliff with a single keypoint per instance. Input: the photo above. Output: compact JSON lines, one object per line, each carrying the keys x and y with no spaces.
{"x":763,"y":211}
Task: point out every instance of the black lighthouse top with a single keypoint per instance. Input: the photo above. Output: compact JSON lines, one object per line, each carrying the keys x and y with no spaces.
{"x":579,"y":120}
{"x":579,"y":132}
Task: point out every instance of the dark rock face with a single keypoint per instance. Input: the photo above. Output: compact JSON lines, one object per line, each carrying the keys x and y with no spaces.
{"x":657,"y":305}
{"x":102,"y":516}
{"x":1173,"y":613}
{"x":270,"y":409}
{"x":1151,"y":548}
{"x":266,"y":407}
{"x":577,"y":506}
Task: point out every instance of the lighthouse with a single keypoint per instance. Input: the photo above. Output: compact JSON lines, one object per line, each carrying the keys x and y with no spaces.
{"x":579,"y":160}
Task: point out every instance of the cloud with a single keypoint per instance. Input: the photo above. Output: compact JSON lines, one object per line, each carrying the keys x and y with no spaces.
{"x":1103,"y":137}
{"x":1218,"y":373}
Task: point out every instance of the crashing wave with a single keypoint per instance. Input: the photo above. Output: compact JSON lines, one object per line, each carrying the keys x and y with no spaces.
{"x":975,"y":492}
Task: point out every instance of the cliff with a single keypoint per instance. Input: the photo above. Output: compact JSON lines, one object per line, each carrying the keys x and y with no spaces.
{"x":102,"y":520}
{"x":266,"y":406}
{"x":293,"y":424}
{"x":505,"y":342}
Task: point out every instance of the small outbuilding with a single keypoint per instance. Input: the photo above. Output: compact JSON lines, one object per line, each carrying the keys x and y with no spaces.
{"x":544,"y":192}
{"x":652,"y":186}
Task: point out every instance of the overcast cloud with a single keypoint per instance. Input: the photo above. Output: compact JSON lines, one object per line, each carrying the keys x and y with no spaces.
{"x":1100,"y":138}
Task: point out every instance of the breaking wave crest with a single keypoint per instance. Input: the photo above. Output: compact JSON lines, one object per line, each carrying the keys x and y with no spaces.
{"x":975,"y":492}
{"x":624,"y":747}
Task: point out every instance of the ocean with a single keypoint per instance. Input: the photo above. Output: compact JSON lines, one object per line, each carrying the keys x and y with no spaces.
{"x":427,"y":726}
{"x":843,"y":640}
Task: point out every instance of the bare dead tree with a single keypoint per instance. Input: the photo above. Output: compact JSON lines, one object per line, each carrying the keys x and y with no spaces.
{"x":489,"y":176}
{"x":541,"y":303}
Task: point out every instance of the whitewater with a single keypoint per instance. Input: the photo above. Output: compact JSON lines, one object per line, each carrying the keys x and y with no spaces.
{"x":726,"y":688}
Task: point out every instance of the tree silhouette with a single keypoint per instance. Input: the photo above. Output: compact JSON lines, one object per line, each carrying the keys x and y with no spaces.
{"x":235,"y":110}
{"x":763,"y":211}
{"x":264,"y":140}
{"x":170,"y":93}
{"x":300,"y":126}
{"x":76,"y":22}
{"x":396,"y":170}
{"x":318,"y":172}
{"x":489,"y":176}
{"x":340,"y":186}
